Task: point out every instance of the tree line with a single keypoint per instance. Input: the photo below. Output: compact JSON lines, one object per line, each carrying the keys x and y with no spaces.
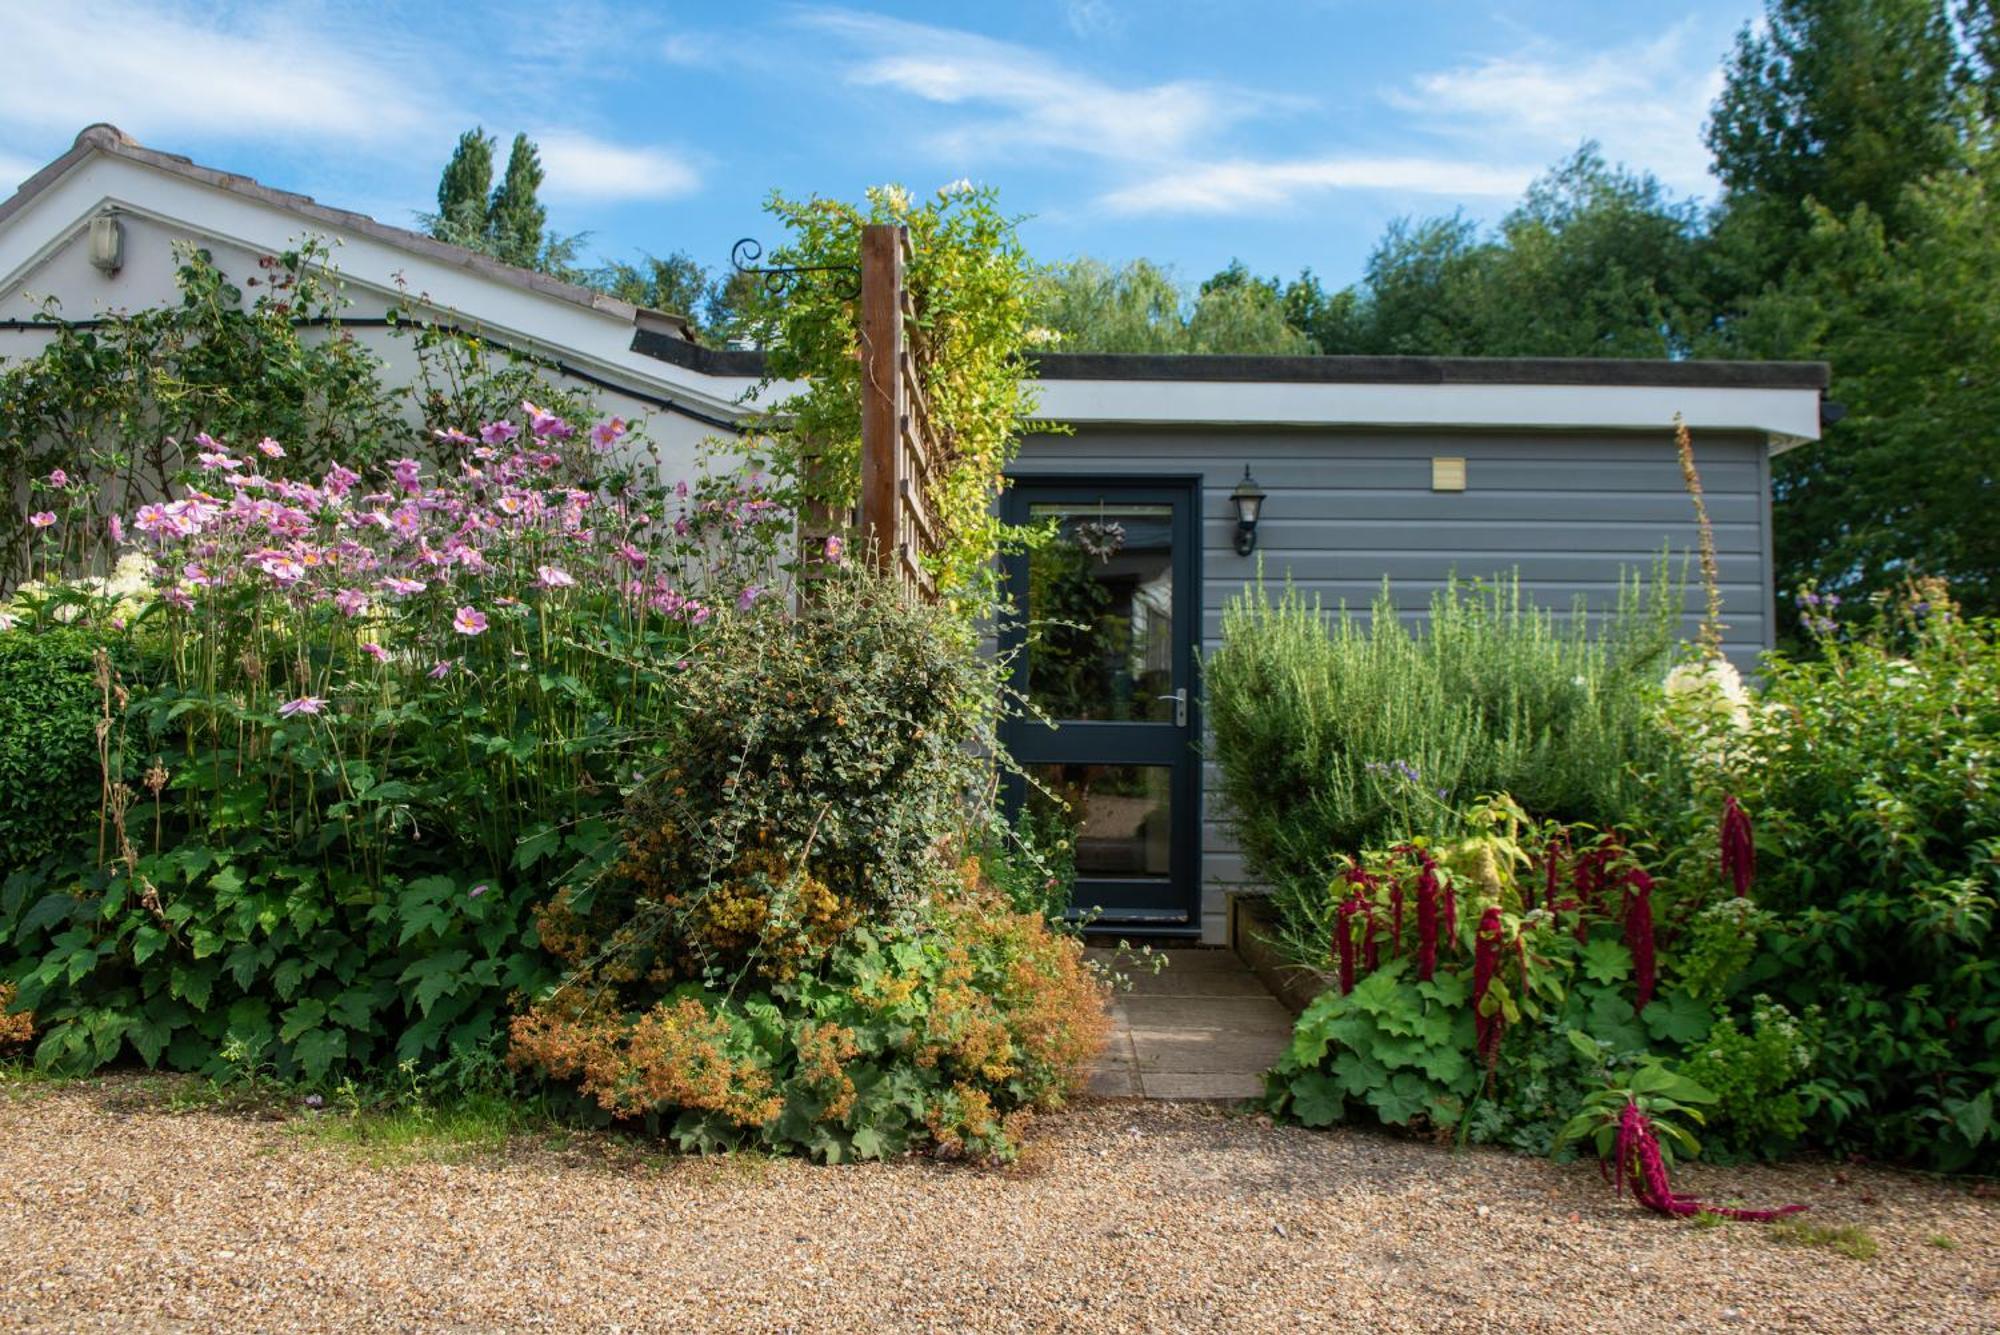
{"x":1858,"y":222}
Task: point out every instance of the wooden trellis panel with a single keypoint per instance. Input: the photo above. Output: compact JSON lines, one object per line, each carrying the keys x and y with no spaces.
{"x":898,"y":446}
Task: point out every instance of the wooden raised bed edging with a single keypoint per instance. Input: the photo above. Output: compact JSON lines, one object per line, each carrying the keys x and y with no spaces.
{"x":1251,"y":924}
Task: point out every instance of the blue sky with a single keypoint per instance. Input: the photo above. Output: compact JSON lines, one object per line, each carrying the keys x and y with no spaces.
{"x":1186,"y":130}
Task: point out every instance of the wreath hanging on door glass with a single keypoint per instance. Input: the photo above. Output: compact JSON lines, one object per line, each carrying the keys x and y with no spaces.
{"x":1101,"y":537}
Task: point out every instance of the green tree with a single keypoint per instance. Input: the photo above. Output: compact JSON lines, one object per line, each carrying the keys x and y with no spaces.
{"x":464,"y":187}
{"x":506,"y":221}
{"x":1141,"y":307}
{"x":1596,"y":261}
{"x":1237,"y":312}
{"x":1909,"y":482}
{"x":677,"y":283}
{"x":516,"y":219}
{"x":1835,"y":103}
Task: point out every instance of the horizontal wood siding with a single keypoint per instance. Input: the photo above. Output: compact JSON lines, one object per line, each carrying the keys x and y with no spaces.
{"x":1346,"y":509}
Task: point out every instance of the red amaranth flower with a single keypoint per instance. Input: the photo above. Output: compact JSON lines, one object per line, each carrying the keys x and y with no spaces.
{"x":1592,"y":877}
{"x":1640,"y":1166}
{"x":1427,"y":922}
{"x":1739,"y":847}
{"x":1639,"y":931}
{"x":1486,"y":963}
{"x":1396,"y":917}
{"x":1553,"y":854}
{"x":1343,"y":942}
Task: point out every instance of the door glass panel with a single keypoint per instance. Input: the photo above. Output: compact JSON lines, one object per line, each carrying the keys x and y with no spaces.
{"x":1120,"y":817}
{"x":1101,"y":606}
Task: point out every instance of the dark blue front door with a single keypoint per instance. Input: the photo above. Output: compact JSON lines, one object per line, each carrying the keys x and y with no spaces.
{"x":1103,"y":639}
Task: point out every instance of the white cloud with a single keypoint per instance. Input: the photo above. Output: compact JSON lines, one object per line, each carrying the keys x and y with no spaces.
{"x":160,"y":75}
{"x":1092,"y":18}
{"x":581,"y":166}
{"x":1022,"y":101}
{"x":335,"y":86}
{"x":1242,"y":185}
{"x":1645,"y":103}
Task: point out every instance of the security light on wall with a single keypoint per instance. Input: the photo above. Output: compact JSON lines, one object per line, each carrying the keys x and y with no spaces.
{"x":1248,"y":498}
{"x":107,"y":243}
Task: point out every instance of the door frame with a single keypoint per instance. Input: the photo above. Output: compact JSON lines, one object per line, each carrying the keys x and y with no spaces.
{"x":1182,"y":918}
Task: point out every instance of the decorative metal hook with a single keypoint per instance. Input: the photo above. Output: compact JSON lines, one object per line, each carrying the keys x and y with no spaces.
{"x":779,"y":280}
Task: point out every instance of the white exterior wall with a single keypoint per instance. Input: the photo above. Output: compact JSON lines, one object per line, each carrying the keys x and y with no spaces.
{"x":147,"y":279}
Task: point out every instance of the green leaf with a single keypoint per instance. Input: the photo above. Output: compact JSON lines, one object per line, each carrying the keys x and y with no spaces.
{"x":435,"y":975}
{"x":149,"y":1036}
{"x":49,"y":910}
{"x":1398,"y":1050}
{"x":1974,"y":1117}
{"x":354,"y":1008}
{"x":1586,"y":1046}
{"x":1359,"y":1073}
{"x":1606,"y":962}
{"x":1613,"y":1020}
{"x":147,"y":942}
{"x":306,"y":1015}
{"x":542,"y":840}
{"x":1402,"y":1100}
{"x":1678,"y":1018}
{"x":1447,"y":1066}
{"x":318,"y":1049}
{"x":1316,"y":1099}
{"x":192,"y":984}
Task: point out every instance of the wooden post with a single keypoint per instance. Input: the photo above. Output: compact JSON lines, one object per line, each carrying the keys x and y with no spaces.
{"x":881,"y":389}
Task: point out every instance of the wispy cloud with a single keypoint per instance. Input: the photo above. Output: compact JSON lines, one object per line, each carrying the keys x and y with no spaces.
{"x":1020,"y":101}
{"x":1242,"y":186}
{"x":1092,"y":18}
{"x":286,"y":77}
{"x":160,"y":75}
{"x":581,"y":166}
{"x":1644,"y":103}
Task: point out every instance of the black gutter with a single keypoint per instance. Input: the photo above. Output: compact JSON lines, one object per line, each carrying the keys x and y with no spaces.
{"x":1606,"y":371}
{"x":378,"y":322}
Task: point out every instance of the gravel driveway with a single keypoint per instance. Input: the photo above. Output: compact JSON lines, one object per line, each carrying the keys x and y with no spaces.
{"x":118,"y":1214}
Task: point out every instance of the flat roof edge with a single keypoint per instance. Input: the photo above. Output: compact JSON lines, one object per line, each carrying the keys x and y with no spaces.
{"x":1608,"y":372}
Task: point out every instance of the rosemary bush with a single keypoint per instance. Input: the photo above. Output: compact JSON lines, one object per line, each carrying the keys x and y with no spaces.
{"x":1335,"y":733}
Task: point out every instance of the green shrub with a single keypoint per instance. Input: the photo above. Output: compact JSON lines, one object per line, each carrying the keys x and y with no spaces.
{"x":1754,"y":1072}
{"x":799,"y":947}
{"x":1869,"y":772}
{"x":49,"y":776}
{"x":1335,"y":734}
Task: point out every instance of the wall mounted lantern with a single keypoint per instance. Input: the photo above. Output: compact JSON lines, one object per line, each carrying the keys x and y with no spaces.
{"x":1248,"y":499}
{"x":107,"y":243}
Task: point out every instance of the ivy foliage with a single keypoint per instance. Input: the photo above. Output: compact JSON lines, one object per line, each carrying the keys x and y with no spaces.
{"x":973,"y":289}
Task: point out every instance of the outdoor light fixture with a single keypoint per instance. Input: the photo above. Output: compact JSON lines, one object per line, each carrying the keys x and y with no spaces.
{"x":107,"y":243}
{"x":1248,"y":499}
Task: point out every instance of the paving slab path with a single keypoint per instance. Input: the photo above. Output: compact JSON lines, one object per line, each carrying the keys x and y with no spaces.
{"x":1202,"y":1027}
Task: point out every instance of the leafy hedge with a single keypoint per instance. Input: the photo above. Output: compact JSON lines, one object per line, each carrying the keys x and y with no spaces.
{"x":49,"y":706}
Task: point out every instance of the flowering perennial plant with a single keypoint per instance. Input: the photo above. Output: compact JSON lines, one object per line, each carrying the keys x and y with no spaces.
{"x":360,"y":692}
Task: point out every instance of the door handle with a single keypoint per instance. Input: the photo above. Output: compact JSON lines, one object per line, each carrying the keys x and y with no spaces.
{"x":1180,"y":706}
